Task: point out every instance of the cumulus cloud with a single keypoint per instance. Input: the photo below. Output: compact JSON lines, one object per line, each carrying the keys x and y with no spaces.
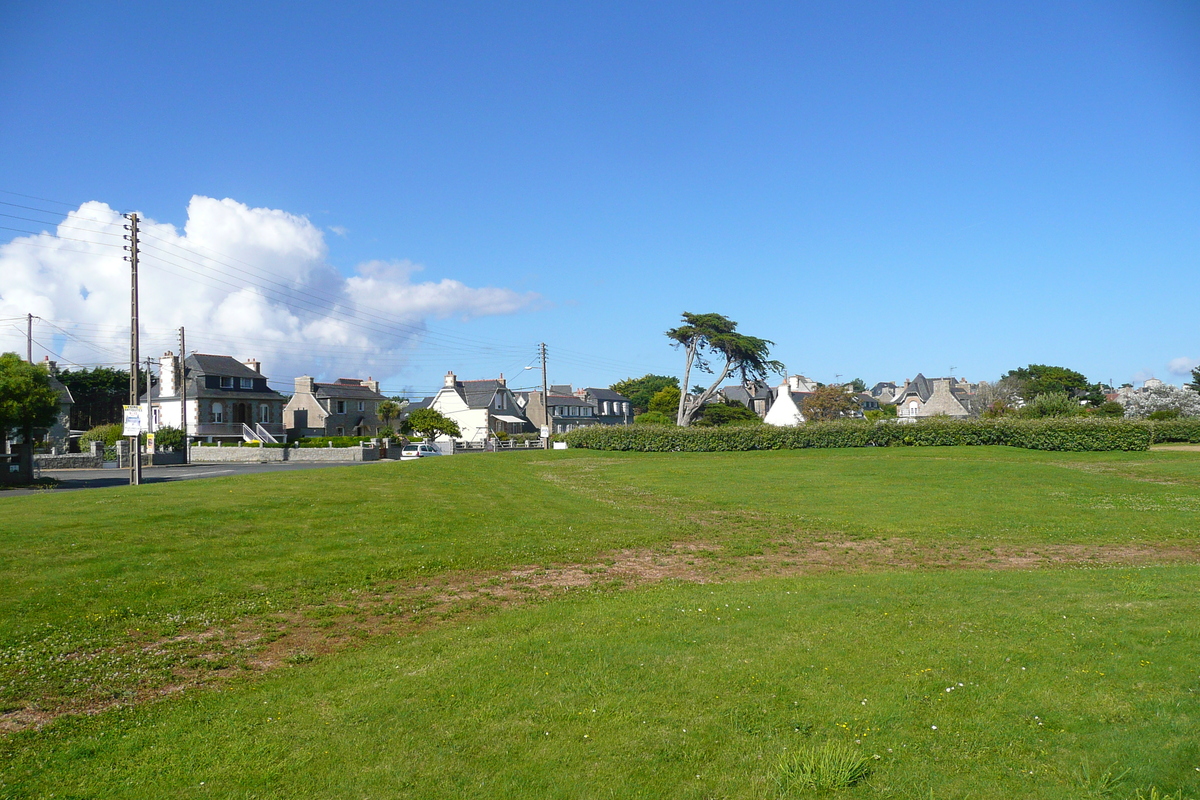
{"x":248,"y":282}
{"x":1183,"y":365}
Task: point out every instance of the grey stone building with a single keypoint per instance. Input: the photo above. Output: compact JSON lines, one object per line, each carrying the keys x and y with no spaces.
{"x":346,"y":407}
{"x":227,"y":400}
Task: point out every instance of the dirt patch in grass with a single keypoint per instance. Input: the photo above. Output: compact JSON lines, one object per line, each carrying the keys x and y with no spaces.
{"x":249,"y":647}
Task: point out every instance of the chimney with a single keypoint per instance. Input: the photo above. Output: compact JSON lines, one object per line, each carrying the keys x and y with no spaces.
{"x":305,"y":385}
{"x":254,"y":364}
{"x":51,"y":366}
{"x":450,"y":380}
{"x":373,"y":385}
{"x":501,"y":380}
{"x":167,"y":368}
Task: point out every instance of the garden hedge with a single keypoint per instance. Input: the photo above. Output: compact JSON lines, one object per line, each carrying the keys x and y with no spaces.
{"x":1087,"y":433}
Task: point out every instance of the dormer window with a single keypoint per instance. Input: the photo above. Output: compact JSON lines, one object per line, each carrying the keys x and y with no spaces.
{"x":226,"y":382}
{"x":246,"y":383}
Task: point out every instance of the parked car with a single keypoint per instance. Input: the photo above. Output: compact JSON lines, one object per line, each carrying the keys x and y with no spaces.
{"x":411,"y":451}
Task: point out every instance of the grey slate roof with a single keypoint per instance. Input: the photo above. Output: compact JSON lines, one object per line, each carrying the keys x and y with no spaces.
{"x":344,"y":391}
{"x":206,"y":364}
{"x":566,"y":400}
{"x":478,"y":394}
{"x":605,"y":394}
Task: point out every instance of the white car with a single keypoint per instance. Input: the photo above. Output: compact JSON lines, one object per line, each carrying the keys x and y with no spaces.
{"x":411,"y":451}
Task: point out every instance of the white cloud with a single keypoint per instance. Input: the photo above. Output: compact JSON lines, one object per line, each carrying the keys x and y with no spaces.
{"x":1143,"y":375}
{"x":249,"y":282}
{"x":1183,"y":365}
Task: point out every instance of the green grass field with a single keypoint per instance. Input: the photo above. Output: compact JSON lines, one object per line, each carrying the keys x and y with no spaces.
{"x":972,"y":622}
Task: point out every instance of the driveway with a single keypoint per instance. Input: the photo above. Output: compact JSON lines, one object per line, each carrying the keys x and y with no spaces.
{"x":100,"y":478}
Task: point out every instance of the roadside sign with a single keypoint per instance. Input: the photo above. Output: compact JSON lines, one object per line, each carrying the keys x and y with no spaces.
{"x":133,"y":421}
{"x":545,"y":431}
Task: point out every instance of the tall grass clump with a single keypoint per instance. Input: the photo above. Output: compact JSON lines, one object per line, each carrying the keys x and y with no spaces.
{"x":823,"y":767}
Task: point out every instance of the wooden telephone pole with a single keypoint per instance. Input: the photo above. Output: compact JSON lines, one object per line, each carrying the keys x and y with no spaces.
{"x":135,"y":442}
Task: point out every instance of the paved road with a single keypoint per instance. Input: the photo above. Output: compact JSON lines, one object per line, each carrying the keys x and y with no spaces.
{"x":98,"y":478}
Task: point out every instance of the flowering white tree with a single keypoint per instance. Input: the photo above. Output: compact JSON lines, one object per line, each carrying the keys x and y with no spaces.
{"x":1163,"y":397}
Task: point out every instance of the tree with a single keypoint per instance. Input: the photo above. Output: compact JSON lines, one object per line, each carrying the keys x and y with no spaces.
{"x":1164,"y":397}
{"x":727,"y":413}
{"x":26,"y":402}
{"x":858,"y":385}
{"x":705,"y":337}
{"x":640,"y":390}
{"x":652,"y":418}
{"x":997,"y":398}
{"x":665,"y":400}
{"x":1195,"y":384}
{"x":828,"y":402}
{"x":99,"y":395}
{"x":388,"y":410}
{"x":432,"y":424}
{"x":1043,"y":379}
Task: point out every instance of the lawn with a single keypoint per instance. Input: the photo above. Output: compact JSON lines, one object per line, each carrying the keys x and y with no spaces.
{"x":396,"y":672}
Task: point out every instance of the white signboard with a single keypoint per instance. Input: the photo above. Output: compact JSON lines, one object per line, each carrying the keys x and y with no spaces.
{"x":133,"y":421}
{"x":545,"y":431}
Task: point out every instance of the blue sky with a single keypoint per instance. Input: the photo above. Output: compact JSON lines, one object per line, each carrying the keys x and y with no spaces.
{"x":879,"y":188}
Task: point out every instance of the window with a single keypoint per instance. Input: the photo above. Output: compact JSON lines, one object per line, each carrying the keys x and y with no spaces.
{"x":361,"y":405}
{"x":264,"y":413}
{"x":341,"y":431}
{"x":156,"y":416}
{"x":226,"y":382}
{"x":341,"y":407}
{"x":246,"y":383}
{"x":218,"y":412}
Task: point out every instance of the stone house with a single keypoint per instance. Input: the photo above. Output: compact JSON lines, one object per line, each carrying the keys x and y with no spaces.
{"x":757,"y":397}
{"x":924,"y":397}
{"x":576,"y":408}
{"x":346,"y":407}
{"x":227,"y":400}
{"x":608,"y":407}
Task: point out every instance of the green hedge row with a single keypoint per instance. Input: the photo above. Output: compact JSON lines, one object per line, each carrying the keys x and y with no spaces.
{"x":1035,"y":434}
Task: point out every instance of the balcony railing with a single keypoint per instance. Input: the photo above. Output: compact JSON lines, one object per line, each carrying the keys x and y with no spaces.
{"x":234,"y":429}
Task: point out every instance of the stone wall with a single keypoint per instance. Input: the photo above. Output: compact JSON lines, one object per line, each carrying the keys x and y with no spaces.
{"x":254,"y":454}
{"x":69,"y":461}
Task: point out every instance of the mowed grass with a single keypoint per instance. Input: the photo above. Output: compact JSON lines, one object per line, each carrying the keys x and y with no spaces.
{"x":97,"y":587}
{"x":953,"y":684}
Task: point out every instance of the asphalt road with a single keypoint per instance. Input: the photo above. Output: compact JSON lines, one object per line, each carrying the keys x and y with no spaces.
{"x":99,"y":478}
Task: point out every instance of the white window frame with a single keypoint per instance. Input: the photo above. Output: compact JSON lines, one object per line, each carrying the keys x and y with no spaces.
{"x":246,"y":383}
{"x":226,"y":382}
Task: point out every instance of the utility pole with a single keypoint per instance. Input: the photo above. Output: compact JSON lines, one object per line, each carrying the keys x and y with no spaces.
{"x":135,"y":442}
{"x":181,"y":382}
{"x":149,"y":420}
{"x":29,"y":338}
{"x":545,"y":395}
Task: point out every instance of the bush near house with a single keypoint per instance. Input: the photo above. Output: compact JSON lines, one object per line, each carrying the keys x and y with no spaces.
{"x":109,"y":434}
{"x":1071,"y":433}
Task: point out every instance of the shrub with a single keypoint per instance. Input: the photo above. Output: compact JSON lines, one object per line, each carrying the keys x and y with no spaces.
{"x":168,"y":439}
{"x":1051,"y":404}
{"x":832,"y":765}
{"x":109,"y":434}
{"x":1110,"y":408}
{"x":665,"y":400}
{"x":1164,"y":414}
{"x":653,"y":418}
{"x":1081,"y":433}
{"x":727,"y":414}
{"x":337,"y":441}
{"x":1182,"y":429}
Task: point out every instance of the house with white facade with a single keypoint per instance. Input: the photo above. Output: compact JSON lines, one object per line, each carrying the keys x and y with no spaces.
{"x":227,"y":400}
{"x":785,"y":409}
{"x":480,"y":408}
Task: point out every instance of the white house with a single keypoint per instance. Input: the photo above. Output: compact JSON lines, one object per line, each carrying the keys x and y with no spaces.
{"x":480,"y":407}
{"x":785,"y":410}
{"x":227,"y":400}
